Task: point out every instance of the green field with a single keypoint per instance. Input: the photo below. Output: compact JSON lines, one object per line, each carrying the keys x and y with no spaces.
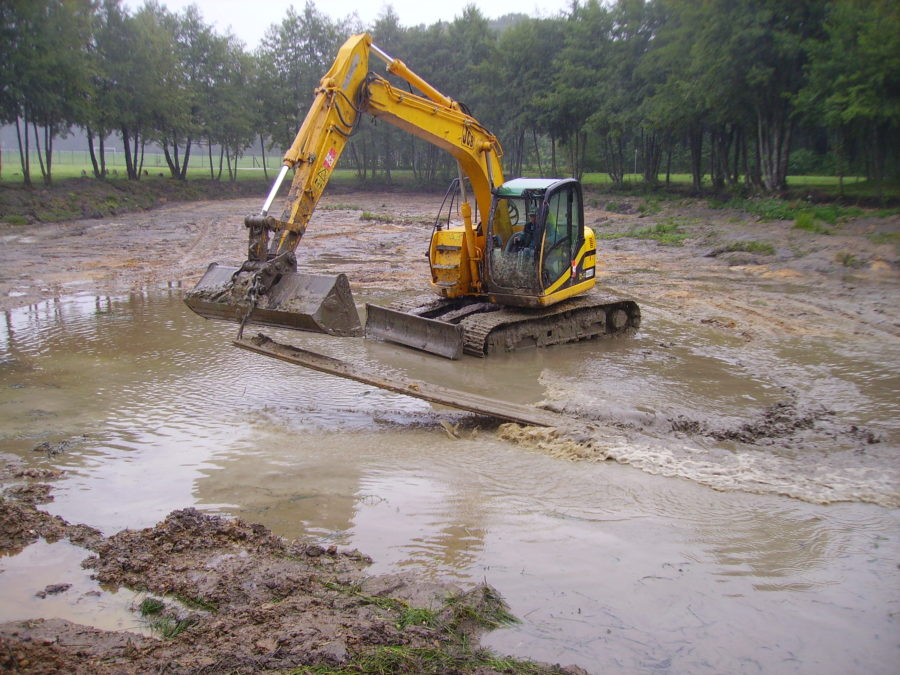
{"x":74,"y":164}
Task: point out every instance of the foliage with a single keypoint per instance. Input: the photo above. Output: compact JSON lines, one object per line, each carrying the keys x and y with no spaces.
{"x":725,"y":90}
{"x":805,"y":220}
{"x":150,"y":606}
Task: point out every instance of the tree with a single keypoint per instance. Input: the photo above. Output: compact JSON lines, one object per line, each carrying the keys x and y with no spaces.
{"x":854,"y":80}
{"x":525,"y":76}
{"x":47,"y":71}
{"x":196,"y":49}
{"x":298,"y":51}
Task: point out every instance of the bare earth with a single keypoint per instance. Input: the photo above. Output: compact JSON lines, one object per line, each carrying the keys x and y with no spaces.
{"x":261,"y":603}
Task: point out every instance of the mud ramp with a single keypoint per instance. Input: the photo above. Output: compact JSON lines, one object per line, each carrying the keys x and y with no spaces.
{"x":482,"y":405}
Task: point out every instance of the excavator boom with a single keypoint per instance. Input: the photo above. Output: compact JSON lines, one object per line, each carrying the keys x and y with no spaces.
{"x":267,"y":288}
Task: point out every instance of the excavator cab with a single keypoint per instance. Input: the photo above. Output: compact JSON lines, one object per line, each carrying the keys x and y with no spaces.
{"x":540,"y":249}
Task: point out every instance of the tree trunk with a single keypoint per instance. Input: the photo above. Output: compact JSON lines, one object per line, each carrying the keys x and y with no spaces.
{"x":170,"y":160}
{"x":24,"y":153}
{"x":774,"y":134}
{"x":553,"y":156}
{"x":652,"y":157}
{"x":37,"y":147}
{"x":103,"y":154}
{"x":695,"y":140}
{"x":262,"y":149}
{"x":668,"y":165}
{"x":182,"y":175}
{"x":126,"y":147}
{"x":615,"y":157}
{"x":140,"y":166}
{"x":537,"y":151}
{"x":221,"y":157}
{"x":49,"y":133}
{"x":94,"y":163}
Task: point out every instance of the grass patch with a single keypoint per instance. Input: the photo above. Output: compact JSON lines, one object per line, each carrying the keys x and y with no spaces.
{"x":806,"y":221}
{"x":406,"y":659}
{"x":780,"y":209}
{"x":880,"y":238}
{"x":377,"y":217}
{"x":887,"y":213}
{"x":339,"y":207}
{"x":169,"y":627}
{"x":666,"y":232}
{"x":650,"y":206}
{"x":759,"y":247}
{"x":489,"y":611}
{"x":848,"y":259}
{"x":197,"y":603}
{"x":151,"y":606}
{"x":14,"y":219}
{"x":417,"y":616}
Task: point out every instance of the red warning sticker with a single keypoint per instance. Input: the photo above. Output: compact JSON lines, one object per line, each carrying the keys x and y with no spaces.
{"x":330,"y":158}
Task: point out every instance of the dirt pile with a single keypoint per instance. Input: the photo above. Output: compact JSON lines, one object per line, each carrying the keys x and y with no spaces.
{"x":228,"y":596}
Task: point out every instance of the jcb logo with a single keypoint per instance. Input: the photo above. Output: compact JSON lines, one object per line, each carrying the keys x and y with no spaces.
{"x":468,"y":138}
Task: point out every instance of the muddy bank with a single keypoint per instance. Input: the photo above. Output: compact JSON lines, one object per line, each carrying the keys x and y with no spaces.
{"x":90,"y":198}
{"x":222,"y":595}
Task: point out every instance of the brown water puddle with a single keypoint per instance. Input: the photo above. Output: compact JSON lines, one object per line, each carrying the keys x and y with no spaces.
{"x":148,"y":408}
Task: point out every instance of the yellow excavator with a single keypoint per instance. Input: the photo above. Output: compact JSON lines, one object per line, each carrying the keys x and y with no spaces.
{"x":517,"y":273}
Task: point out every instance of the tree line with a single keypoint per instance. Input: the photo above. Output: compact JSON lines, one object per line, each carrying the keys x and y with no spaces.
{"x":731,"y":91}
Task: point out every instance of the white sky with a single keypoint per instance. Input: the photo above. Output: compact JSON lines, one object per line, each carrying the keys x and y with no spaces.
{"x":248,"y":19}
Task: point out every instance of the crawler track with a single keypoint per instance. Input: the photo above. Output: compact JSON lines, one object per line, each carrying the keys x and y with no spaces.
{"x":491,"y":328}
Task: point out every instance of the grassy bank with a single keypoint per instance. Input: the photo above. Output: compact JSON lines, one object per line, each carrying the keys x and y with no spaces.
{"x":85,"y":197}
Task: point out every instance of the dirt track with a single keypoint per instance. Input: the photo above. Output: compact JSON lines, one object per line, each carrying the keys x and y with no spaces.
{"x":839,"y":289}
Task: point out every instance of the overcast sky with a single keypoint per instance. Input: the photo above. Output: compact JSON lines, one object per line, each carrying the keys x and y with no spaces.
{"x":248,"y":19}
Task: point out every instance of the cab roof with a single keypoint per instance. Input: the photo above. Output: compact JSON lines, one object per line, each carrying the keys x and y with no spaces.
{"x":517,"y":186}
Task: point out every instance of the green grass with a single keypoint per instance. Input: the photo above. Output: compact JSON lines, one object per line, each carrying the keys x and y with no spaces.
{"x":759,"y":247}
{"x":849,"y":260}
{"x":887,"y":213}
{"x":806,"y":216}
{"x":427,"y":660}
{"x":880,"y":238}
{"x":649,"y":206}
{"x":168,"y":627}
{"x":197,"y":603}
{"x":339,"y":207}
{"x":806,"y":221}
{"x":150,"y":606}
{"x":377,"y":217}
{"x":416,"y":616}
{"x":667,"y":232}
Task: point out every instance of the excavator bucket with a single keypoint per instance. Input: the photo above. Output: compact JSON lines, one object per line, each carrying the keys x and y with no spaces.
{"x":312,"y":302}
{"x":430,"y":335}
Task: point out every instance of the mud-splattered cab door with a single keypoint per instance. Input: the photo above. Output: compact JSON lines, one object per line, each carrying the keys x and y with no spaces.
{"x":535,"y":240}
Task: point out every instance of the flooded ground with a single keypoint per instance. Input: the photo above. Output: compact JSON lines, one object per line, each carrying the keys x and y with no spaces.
{"x":747,"y":382}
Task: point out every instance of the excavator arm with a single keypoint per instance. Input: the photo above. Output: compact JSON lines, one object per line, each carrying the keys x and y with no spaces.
{"x":267,"y":288}
{"x":348,"y":91}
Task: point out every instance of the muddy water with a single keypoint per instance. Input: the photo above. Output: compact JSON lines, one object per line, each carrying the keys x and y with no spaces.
{"x":149,"y":409}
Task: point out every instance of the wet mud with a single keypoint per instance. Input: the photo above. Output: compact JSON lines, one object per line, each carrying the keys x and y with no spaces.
{"x":760,"y":376}
{"x":228,"y":596}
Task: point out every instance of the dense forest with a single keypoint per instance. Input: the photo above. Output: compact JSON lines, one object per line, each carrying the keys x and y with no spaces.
{"x":732,"y":92}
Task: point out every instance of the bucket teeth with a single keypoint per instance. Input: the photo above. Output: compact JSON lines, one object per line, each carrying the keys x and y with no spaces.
{"x":312,"y":302}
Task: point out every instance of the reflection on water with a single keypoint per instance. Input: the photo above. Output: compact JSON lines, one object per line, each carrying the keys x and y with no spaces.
{"x":42,"y":565}
{"x":609,"y":567}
